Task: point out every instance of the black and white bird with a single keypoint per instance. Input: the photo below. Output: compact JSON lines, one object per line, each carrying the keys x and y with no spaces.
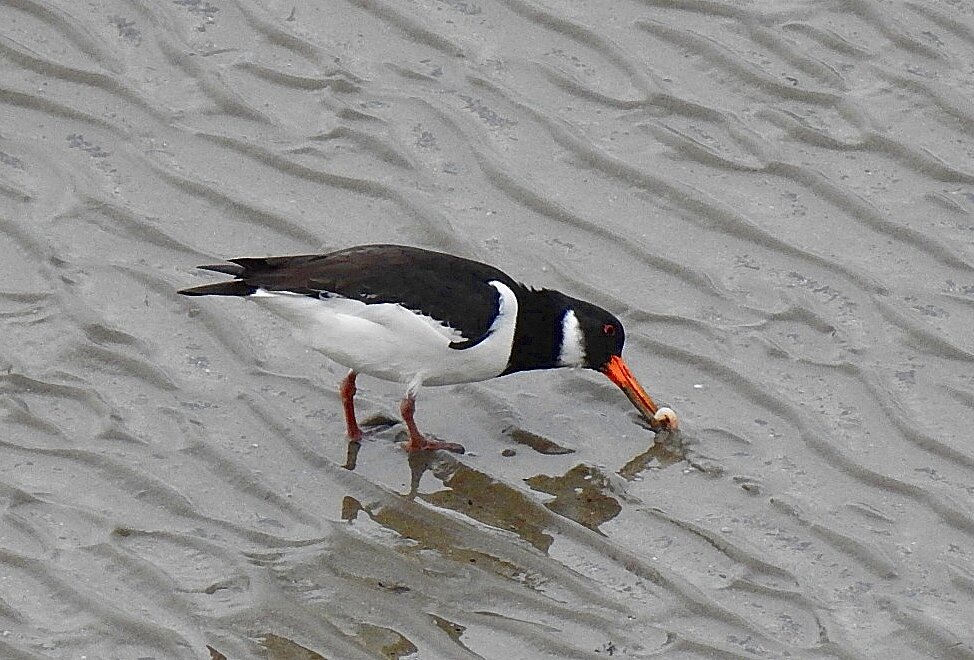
{"x":419,"y":317}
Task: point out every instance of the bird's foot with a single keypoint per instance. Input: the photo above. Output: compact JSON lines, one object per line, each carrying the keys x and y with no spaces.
{"x":422,"y":443}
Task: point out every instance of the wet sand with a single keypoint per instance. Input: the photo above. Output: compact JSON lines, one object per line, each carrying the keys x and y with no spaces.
{"x":776,"y":198}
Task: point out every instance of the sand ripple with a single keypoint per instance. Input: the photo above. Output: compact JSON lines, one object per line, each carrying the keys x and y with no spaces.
{"x":777,"y":198}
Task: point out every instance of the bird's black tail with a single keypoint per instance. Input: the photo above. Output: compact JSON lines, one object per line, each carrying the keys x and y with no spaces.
{"x":232,"y":288}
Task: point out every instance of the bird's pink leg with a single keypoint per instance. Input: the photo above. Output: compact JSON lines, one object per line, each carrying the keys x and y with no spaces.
{"x":353,"y":432}
{"x":418,"y":441}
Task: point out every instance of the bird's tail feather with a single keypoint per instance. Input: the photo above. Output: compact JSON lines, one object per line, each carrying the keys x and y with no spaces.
{"x":231,"y":288}
{"x":229,"y":269}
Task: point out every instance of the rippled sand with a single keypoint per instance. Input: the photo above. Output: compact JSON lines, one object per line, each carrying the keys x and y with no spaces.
{"x":775,"y":197}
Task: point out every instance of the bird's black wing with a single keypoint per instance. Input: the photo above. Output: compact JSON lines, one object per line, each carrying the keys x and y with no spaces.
{"x":450,"y":289}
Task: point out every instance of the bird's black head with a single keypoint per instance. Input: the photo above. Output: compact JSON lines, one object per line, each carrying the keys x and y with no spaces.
{"x":602,"y":334}
{"x":603,"y":339}
{"x":555,"y":330}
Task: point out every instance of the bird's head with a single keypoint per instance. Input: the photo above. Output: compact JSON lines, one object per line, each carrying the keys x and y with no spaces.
{"x":602,"y":337}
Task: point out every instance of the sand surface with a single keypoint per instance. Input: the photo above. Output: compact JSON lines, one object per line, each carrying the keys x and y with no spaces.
{"x":775,"y":197}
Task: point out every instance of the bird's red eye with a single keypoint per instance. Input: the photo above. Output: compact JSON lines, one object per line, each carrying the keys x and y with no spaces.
{"x":608,"y":329}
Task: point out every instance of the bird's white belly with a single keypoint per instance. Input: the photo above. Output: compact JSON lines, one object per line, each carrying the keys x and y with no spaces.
{"x":390,"y":342}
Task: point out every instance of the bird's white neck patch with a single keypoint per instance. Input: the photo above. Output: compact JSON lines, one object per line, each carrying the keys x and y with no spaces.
{"x":572,"y":352}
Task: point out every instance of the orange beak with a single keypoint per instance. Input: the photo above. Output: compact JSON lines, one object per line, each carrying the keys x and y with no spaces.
{"x":619,"y":373}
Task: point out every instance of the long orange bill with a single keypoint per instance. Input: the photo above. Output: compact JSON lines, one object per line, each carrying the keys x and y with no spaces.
{"x":619,"y":373}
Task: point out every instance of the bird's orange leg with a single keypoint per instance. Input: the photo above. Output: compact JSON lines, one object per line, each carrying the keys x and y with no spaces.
{"x":418,"y":441}
{"x":348,"y":390}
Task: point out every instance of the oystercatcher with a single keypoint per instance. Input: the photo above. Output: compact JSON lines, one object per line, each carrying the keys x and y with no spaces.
{"x":420,"y":317}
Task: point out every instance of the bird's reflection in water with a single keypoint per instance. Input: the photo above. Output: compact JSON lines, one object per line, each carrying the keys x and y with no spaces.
{"x":667,"y":450}
{"x":583,"y":494}
{"x":419,"y":462}
{"x":351,"y":455}
{"x":370,"y":426}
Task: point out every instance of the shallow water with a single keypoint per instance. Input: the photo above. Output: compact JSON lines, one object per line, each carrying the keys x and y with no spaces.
{"x":776,"y":198}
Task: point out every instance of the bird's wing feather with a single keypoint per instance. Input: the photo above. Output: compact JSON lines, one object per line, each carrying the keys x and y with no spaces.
{"x":459,"y":296}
